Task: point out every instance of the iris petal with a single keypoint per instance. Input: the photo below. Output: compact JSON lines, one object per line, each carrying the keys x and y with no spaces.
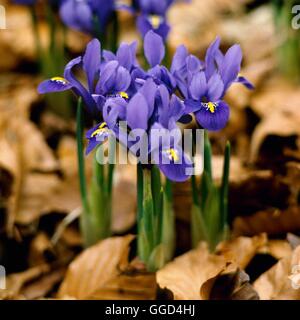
{"x":215,"y":87}
{"x":91,"y":61}
{"x":179,"y":170}
{"x":198,"y":86}
{"x":54,"y":85}
{"x":245,"y":82}
{"x":137,"y":112}
{"x":231,"y":65}
{"x":216,"y":120}
{"x":154,"y":48}
{"x":78,"y":88}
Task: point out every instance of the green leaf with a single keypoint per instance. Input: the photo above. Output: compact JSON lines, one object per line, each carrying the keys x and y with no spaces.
{"x":225,"y":188}
{"x":168,"y":232}
{"x":157,"y":258}
{"x":213,"y":218}
{"x":198,"y":225}
{"x":156,"y":190}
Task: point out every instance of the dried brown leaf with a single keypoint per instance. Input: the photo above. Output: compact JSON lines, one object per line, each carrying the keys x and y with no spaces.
{"x":280,"y":116}
{"x":241,"y":250}
{"x":277,"y":248}
{"x":33,"y":283}
{"x":230,"y":284}
{"x":99,"y":271}
{"x":134,"y":283}
{"x":186,"y":274}
{"x":272,"y":221}
{"x":282,"y":280}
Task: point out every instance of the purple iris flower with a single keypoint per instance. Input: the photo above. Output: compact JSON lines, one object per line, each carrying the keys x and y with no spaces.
{"x":154,"y":50}
{"x":169,"y":155}
{"x":77,"y":14}
{"x":204,"y":83}
{"x":114,"y":82}
{"x":103,"y":11}
{"x":114,"y":111}
{"x":151,"y":15}
{"x":90,"y":16}
{"x":90,"y":64}
{"x":152,"y":109}
{"x":104,"y":79}
{"x":126,"y":57}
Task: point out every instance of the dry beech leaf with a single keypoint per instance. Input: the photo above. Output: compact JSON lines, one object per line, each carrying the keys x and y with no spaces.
{"x":241,"y":97}
{"x":205,"y":25}
{"x":240,"y":176}
{"x":40,"y":248}
{"x":272,"y":221}
{"x":33,"y":167}
{"x":230,"y":284}
{"x":33,"y":283}
{"x":241,"y":250}
{"x":256,"y":45}
{"x":292,"y":179}
{"x":281,"y":282}
{"x":280,"y":116}
{"x":197,"y":270}
{"x":133,"y":283}
{"x":18,"y":31}
{"x":272,"y":97}
{"x":100,"y":272}
{"x":186,"y":274}
{"x":277,"y":248}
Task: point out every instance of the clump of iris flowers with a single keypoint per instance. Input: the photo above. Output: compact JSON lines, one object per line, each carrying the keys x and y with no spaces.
{"x":118,"y":90}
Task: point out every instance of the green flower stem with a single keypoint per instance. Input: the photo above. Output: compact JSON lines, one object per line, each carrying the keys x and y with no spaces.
{"x":84,"y":217}
{"x":225,"y":188}
{"x":98,"y":32}
{"x":139,"y":192}
{"x":52,"y":60}
{"x":206,"y":180}
{"x":156,"y":219}
{"x":80,"y":155}
{"x":38,"y":45}
{"x":168,"y":223}
{"x":52,"y":27}
{"x":100,"y":204}
{"x":198,"y":226}
{"x":209,"y":213}
{"x":148,"y":209}
{"x":96,"y":219}
{"x":115,"y":33}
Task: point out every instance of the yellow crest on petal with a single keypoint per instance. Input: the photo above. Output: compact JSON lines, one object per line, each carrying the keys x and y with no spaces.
{"x":102,"y":128}
{"x":155,"y":21}
{"x":172,"y":153}
{"x":211,"y":107}
{"x":59,"y":79}
{"x":124,"y":95}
